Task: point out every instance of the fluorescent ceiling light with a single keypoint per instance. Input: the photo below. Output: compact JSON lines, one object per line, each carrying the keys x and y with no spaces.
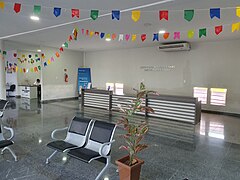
{"x":39,"y":50}
{"x":34,"y":18}
{"x":108,"y":39}
{"x":162,"y":32}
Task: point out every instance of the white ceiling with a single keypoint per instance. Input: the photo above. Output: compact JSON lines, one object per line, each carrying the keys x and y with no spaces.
{"x":12,"y":23}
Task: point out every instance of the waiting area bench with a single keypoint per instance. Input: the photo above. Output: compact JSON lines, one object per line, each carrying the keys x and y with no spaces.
{"x":92,"y":140}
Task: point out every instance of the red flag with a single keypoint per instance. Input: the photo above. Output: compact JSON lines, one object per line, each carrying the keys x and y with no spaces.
{"x":163,"y":15}
{"x":114,"y":36}
{"x":17,"y":7}
{"x":87,"y":32}
{"x":70,"y":38}
{"x":143,"y":37}
{"x":76,"y":12}
{"x":166,"y":35}
{"x":218,"y":29}
{"x":61,"y":49}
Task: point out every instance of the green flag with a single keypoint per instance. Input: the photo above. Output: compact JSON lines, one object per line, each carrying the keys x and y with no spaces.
{"x":36,"y":55}
{"x":66,"y":45}
{"x":4,"y":52}
{"x":37,"y":9}
{"x":39,"y":68}
{"x":188,"y":14}
{"x":0,"y":50}
{"x":94,"y":14}
{"x":202,"y":32}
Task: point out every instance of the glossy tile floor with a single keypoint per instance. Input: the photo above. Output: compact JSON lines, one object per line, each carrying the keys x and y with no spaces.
{"x":176,"y":151}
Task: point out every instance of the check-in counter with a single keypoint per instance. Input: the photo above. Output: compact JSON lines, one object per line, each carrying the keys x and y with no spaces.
{"x":29,"y":92}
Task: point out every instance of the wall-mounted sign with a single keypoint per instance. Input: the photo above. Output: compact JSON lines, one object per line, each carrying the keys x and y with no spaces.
{"x":84,"y":79}
{"x":157,"y":68}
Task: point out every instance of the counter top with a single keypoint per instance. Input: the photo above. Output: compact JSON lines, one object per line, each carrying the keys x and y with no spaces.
{"x":29,"y":85}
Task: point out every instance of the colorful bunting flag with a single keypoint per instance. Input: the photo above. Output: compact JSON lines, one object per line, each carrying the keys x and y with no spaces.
{"x":108,"y":36}
{"x":94,"y":14}
{"x":87,"y":32}
{"x":97,"y":33}
{"x":4,"y":52}
{"x":35,"y":69}
{"x":136,"y":15}
{"x":21,"y":70}
{"x":57,"y":11}
{"x":155,"y":37}
{"x":238,"y":11}
{"x":37,"y":9}
{"x":202,"y":32}
{"x":127,"y":37}
{"x":91,"y":33}
{"x":143,"y":37}
{"x":177,"y":35}
{"x":191,"y":34}
{"x":75,"y":34}
{"x":188,"y":14}
{"x":2,"y":5}
{"x":14,"y":54}
{"x":61,"y":49}
{"x":102,"y":35}
{"x":116,"y":14}
{"x":31,"y":70}
{"x":45,"y":64}
{"x":36,"y":55}
{"x":215,"y":12}
{"x":235,"y":27}
{"x":218,"y":29}
{"x":163,"y":15}
{"x":39,"y":68}
{"x":57,"y":54}
{"x":52,"y":59}
{"x":49,"y":62}
{"x":75,"y":13}
{"x":70,"y":38}
{"x":17,"y":7}
{"x":65,"y":45}
{"x":134,"y":37}
{"x":121,"y":37}
{"x":114,"y":36}
{"x":166,"y":35}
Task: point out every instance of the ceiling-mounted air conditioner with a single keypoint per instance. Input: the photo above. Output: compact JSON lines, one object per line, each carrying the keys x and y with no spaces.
{"x":181,"y":46}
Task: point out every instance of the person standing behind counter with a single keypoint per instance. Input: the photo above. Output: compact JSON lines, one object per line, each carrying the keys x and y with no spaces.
{"x":38,"y":84}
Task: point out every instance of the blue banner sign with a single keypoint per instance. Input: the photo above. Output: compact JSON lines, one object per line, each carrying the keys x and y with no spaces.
{"x":84,"y":79}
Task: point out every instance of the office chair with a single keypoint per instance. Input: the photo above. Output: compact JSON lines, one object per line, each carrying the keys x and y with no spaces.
{"x":12,"y":88}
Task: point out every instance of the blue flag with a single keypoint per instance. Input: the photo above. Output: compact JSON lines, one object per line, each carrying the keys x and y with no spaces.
{"x":57,"y":11}
{"x":45,"y":64}
{"x":156,"y":37}
{"x":215,"y":12}
{"x":102,"y":35}
{"x":116,"y":14}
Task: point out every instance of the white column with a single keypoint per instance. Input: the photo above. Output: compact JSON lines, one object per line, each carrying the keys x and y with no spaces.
{"x":2,"y":75}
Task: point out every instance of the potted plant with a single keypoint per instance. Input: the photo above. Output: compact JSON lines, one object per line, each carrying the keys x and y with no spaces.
{"x":130,"y":166}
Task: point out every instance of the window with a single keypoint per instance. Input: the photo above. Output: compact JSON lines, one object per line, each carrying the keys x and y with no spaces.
{"x":110,"y":86}
{"x":201,"y":94}
{"x":119,"y":88}
{"x":218,"y":96}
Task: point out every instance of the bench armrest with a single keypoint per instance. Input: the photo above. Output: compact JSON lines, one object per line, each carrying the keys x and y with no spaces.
{"x":102,"y":148}
{"x":57,"y":130}
{"x":11,"y":130}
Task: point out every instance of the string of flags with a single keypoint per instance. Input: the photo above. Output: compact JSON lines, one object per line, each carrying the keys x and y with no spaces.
{"x":188,"y":14}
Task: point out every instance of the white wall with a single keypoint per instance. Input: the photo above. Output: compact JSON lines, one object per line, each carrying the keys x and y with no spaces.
{"x":2,"y":74}
{"x":53,"y":84}
{"x":208,"y":64}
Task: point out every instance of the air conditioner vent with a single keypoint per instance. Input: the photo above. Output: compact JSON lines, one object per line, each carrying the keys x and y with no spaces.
{"x":175,"y":47}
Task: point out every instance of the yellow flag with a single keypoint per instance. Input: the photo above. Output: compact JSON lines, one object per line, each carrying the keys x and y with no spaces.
{"x":91,"y":33}
{"x":2,"y":5}
{"x":16,"y":69}
{"x":31,"y":70}
{"x":49,"y":62}
{"x":136,"y":15}
{"x":21,"y":70}
{"x":235,"y":27}
{"x":190,"y":34}
{"x":238,"y":11}
{"x":134,"y":37}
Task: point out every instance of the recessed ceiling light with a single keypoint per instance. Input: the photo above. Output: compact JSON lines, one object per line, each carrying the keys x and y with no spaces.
{"x":34,"y":18}
{"x":108,"y":39}
{"x":39,"y":50}
{"x":162,"y":32}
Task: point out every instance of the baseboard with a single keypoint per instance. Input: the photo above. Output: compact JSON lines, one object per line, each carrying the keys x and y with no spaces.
{"x":58,"y":100}
{"x":221,"y":113}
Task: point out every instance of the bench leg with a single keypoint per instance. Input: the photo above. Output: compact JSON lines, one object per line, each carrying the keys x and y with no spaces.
{"x":108,"y":164}
{"x":10,"y":150}
{"x":47,"y":160}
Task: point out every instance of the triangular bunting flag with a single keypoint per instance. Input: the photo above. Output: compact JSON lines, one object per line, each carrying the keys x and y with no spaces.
{"x":177,"y":35}
{"x":136,"y":15}
{"x":87,"y":32}
{"x":127,"y":37}
{"x":65,"y":45}
{"x":202,"y":32}
{"x":39,"y":68}
{"x":61,"y":49}
{"x":35,"y":69}
{"x":215,"y":12}
{"x":94,"y":14}
{"x":235,"y":27}
{"x":75,"y":34}
{"x":191,"y":34}
{"x":57,"y":11}
{"x":114,"y":36}
{"x":4,"y":52}
{"x":238,"y":11}
{"x":102,"y":35}
{"x":121,"y":37}
{"x":134,"y":37}
{"x":49,"y":62}
{"x":143,"y":37}
{"x":2,"y":5}
{"x":17,"y":7}
{"x":188,"y":14}
{"x":52,"y":59}
{"x":97,"y":33}
{"x":91,"y":33}
{"x":116,"y":14}
{"x":166,"y":35}
{"x":57,"y":54}
{"x":45,"y":64}
{"x":75,"y":13}
{"x":24,"y":70}
{"x":37,"y":9}
{"x":155,"y":37}
{"x":218,"y":29}
{"x":70,"y":38}
{"x":163,"y":15}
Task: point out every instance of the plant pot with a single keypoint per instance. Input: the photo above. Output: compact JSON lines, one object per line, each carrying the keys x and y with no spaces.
{"x":127,"y":172}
